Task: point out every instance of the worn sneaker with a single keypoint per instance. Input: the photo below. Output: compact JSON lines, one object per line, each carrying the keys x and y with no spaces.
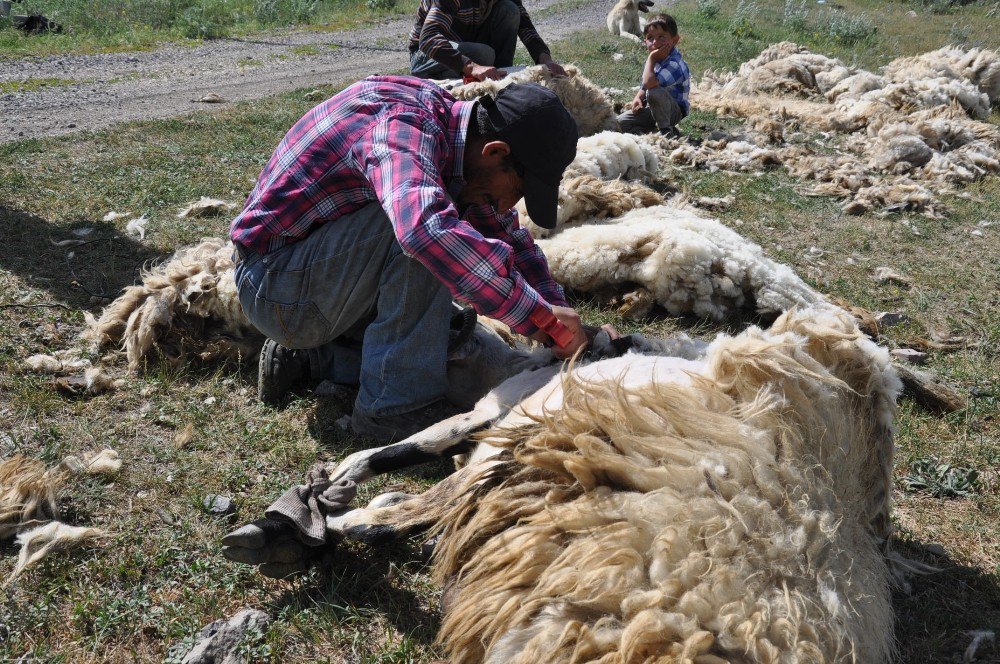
{"x":279,"y":370}
{"x":392,"y":428}
{"x":670,"y":132}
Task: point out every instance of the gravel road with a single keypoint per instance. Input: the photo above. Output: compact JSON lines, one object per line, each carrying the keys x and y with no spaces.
{"x":97,"y":91}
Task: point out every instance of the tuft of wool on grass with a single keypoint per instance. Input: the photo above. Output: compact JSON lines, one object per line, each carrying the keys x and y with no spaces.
{"x":738,"y":510}
{"x":39,"y":542}
{"x":27,"y":492}
{"x":206,"y":207}
{"x":689,"y":263}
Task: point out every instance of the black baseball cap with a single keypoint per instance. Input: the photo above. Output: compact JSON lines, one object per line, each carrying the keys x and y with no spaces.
{"x":542,"y":137}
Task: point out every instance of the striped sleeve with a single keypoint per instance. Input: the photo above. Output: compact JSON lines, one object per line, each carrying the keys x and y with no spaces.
{"x":529,"y":36}
{"x":437,"y":33}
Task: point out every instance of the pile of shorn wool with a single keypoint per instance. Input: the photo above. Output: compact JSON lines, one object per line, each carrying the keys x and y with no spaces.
{"x":895,"y":140}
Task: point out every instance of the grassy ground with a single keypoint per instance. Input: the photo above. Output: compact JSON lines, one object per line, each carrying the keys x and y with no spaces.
{"x":117,"y":25}
{"x":145,"y":591}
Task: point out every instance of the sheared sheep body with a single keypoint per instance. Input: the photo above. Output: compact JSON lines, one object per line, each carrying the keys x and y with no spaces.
{"x":691,"y":264}
{"x":729,"y":509}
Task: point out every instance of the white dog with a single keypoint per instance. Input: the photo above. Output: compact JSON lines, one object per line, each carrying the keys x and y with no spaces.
{"x":623,"y":19}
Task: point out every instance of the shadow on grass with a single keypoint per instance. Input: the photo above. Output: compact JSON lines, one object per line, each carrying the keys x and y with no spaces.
{"x":358,"y":583}
{"x":98,"y":264}
{"x":937,"y":617}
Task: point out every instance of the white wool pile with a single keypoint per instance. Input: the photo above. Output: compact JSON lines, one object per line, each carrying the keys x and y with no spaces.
{"x":855,"y":85}
{"x":586,"y":102}
{"x":835,"y":173}
{"x":979,"y":66}
{"x":785,"y":68}
{"x":689,"y":263}
{"x":740,"y":514}
{"x":585,"y":198}
{"x":731,"y":154}
{"x":611,"y":154}
{"x":187,"y":305}
{"x":895,"y":195}
{"x":917,"y":121}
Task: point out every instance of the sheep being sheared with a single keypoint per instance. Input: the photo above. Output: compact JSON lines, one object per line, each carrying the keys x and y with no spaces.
{"x":592,"y":187}
{"x":690,"y":264}
{"x":728,"y":504}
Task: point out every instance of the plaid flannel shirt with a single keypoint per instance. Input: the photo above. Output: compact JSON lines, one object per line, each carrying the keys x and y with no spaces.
{"x":673,"y":74}
{"x":399,"y":141}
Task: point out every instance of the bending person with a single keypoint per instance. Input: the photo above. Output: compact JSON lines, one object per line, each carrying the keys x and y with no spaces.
{"x":380,"y":206}
{"x":459,"y":38}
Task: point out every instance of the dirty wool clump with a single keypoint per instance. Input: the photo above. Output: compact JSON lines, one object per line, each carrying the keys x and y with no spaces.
{"x":28,"y":508}
{"x":738,"y":516}
{"x":891,"y":142}
{"x":186,"y":306}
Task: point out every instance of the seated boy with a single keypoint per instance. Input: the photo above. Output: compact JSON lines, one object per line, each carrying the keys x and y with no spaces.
{"x":662,"y":101}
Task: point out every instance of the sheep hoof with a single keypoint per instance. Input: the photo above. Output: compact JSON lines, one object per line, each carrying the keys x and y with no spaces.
{"x":257,"y":534}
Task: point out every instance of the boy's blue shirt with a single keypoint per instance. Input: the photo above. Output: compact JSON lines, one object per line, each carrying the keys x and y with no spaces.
{"x":673,"y":74}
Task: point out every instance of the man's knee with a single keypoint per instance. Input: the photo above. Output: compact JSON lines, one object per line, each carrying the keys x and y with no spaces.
{"x":506,"y":14}
{"x":481,"y":54}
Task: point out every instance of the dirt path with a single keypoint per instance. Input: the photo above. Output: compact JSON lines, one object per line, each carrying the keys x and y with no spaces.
{"x":96,"y":91}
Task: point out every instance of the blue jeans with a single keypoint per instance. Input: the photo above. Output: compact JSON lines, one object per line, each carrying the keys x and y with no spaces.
{"x":492,"y":43}
{"x":365,"y":312}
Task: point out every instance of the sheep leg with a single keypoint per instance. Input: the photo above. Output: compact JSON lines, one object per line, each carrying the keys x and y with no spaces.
{"x":446,"y":438}
{"x":392,"y":516}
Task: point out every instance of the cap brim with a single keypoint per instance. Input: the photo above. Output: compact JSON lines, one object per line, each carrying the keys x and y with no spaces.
{"x":542,"y":201}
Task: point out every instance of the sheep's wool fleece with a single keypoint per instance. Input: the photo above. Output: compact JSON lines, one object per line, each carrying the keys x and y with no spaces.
{"x":917,"y":123}
{"x":186,"y":305}
{"x":586,"y":102}
{"x":27,"y":492}
{"x":740,"y":516}
{"x":691,"y":264}
{"x":603,"y":180}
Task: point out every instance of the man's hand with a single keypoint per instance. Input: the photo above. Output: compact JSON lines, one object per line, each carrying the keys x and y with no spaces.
{"x":571,"y":320}
{"x":636,"y":104}
{"x":484,"y":72}
{"x":554,"y":67}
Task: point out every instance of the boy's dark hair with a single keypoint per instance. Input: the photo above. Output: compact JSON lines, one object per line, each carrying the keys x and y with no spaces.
{"x":664,"y":22}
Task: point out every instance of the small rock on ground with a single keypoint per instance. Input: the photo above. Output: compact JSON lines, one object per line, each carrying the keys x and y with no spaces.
{"x":219,"y":640}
